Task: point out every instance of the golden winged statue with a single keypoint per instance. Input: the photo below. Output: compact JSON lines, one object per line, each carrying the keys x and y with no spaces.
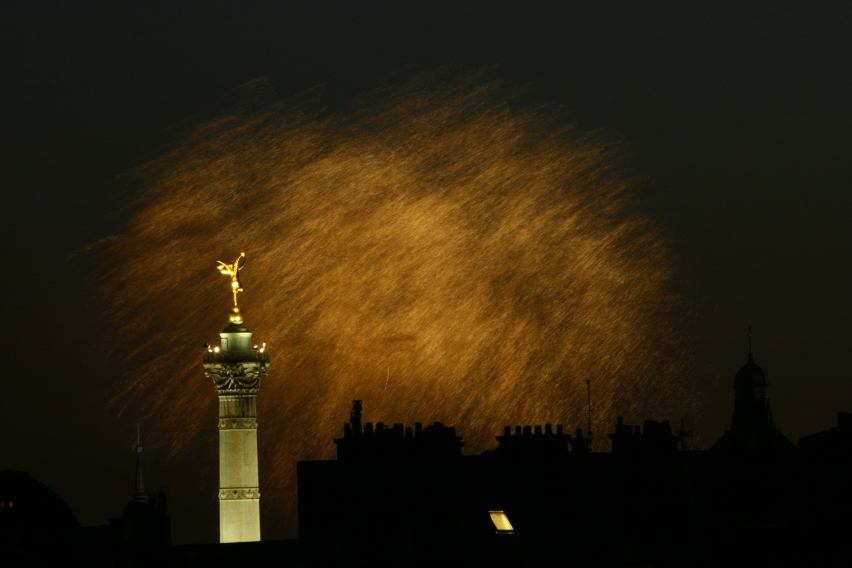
{"x":233,"y":270}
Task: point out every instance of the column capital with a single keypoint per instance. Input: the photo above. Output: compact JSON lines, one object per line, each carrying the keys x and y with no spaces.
{"x":236,"y":378}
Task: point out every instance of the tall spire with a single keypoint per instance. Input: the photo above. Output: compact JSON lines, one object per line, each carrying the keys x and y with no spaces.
{"x":141,"y":496}
{"x":750,"y":357}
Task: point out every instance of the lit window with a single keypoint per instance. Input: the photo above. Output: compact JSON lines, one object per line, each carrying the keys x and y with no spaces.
{"x":501,"y":522}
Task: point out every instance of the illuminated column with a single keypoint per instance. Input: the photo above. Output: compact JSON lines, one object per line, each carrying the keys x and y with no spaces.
{"x":236,"y":367}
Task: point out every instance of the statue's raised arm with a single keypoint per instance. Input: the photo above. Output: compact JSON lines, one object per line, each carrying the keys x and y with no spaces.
{"x":233,"y":271}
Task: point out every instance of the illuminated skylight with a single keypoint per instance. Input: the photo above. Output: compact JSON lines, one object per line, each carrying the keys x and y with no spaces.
{"x":501,"y":522}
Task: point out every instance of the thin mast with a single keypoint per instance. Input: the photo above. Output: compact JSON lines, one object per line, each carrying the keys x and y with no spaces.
{"x":141,"y":496}
{"x":590,"y":409}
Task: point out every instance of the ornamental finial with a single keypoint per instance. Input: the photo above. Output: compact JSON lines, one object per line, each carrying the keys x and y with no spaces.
{"x":233,"y":271}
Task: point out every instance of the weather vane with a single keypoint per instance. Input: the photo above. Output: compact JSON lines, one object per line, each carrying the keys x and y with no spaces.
{"x":233,"y":270}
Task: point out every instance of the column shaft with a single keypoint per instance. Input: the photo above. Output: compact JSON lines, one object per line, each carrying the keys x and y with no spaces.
{"x":239,"y":495}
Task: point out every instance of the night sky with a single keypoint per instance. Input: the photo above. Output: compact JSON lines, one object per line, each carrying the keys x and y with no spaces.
{"x":736,"y":117}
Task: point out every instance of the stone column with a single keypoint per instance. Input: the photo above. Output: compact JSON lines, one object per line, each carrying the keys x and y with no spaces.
{"x":236,"y":368}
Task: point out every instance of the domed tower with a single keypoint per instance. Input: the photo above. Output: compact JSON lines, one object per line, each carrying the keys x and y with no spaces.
{"x":236,"y":367}
{"x":751,"y":404}
{"x":752,"y":426}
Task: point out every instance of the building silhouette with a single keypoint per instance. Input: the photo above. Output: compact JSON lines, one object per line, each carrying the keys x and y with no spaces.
{"x":406,"y":496}
{"x":540,"y":498}
{"x":140,"y":537}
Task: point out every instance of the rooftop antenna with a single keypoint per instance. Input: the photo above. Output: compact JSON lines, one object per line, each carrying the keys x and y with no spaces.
{"x":141,"y":496}
{"x":590,"y":409}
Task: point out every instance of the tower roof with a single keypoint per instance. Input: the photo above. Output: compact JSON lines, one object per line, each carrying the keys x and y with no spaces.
{"x":750,"y":375}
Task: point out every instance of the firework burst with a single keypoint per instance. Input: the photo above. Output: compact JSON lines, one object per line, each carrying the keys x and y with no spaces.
{"x":432,"y":251}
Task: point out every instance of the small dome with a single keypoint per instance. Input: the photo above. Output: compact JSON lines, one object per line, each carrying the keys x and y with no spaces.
{"x":36,"y":526}
{"x":27,"y":500}
{"x":750,"y":375}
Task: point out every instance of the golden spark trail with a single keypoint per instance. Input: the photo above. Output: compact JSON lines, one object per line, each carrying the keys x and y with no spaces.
{"x":488,"y":253}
